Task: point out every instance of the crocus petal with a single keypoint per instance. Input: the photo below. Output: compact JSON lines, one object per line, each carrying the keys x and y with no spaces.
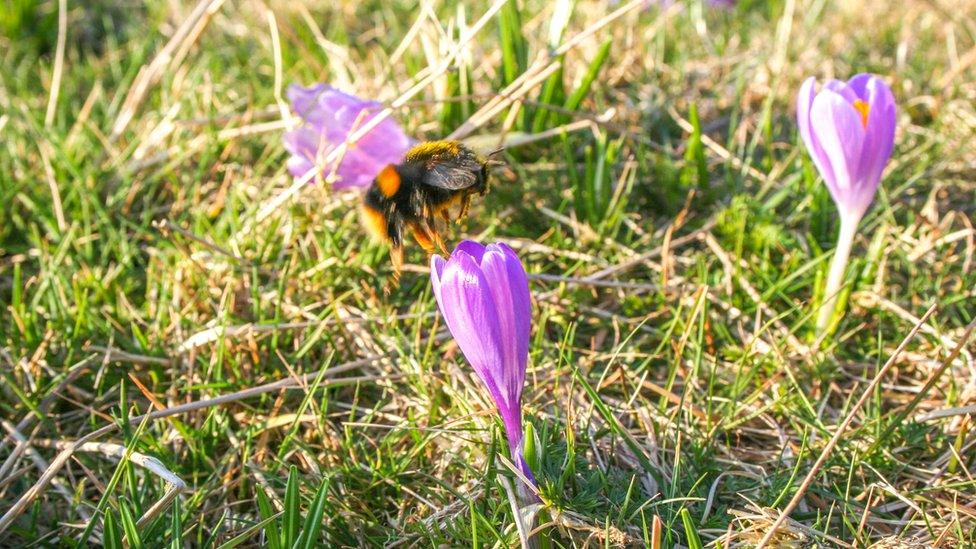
{"x":841,"y":88}
{"x":859,"y":83}
{"x":437,"y":264}
{"x":302,"y":99}
{"x":385,"y":142}
{"x":471,"y":316}
{"x":521,"y":303}
{"x":302,"y":143}
{"x":507,"y":291}
{"x":299,"y":167}
{"x":804,"y":102}
{"x":879,"y":139}
{"x":338,"y":111}
{"x":473,"y":249}
{"x":357,"y":169}
{"x":839,"y":131}
{"x":329,"y":118}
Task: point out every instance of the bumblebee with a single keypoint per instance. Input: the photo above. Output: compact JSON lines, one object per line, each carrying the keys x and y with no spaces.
{"x":433,"y":177}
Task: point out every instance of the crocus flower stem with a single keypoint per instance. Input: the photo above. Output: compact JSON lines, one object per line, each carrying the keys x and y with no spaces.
{"x":838,"y":266}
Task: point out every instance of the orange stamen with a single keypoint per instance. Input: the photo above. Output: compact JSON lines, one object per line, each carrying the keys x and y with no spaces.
{"x":863,"y":109}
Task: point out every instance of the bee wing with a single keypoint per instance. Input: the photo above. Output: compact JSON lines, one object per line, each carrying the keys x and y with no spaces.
{"x":457,"y":175}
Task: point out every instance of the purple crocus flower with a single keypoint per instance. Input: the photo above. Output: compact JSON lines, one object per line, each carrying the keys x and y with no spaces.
{"x":483,"y":293}
{"x":849,"y":130}
{"x":329,"y":117}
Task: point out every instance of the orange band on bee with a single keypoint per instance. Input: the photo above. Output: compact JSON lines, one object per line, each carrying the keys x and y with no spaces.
{"x":388,"y":181}
{"x":375,"y":222}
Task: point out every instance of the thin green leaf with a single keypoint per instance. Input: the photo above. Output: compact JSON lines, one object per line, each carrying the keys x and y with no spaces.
{"x":247,"y":534}
{"x":176,"y":530}
{"x":271,"y":531}
{"x":292,"y":509}
{"x":129,"y":526}
{"x":592,"y":71}
{"x":313,"y":521}
{"x":111,"y":536}
{"x":550,"y":93}
{"x":691,"y":533}
{"x":514,"y":49}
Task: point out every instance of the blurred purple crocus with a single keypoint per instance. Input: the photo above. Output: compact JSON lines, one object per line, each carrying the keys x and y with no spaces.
{"x":329,"y":116}
{"x":483,"y":293}
{"x":849,"y":130}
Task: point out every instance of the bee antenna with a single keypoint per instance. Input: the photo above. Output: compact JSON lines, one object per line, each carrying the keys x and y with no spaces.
{"x":496,"y":151}
{"x":490,"y":161}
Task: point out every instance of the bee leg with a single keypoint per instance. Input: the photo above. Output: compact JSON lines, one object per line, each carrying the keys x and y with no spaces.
{"x":438,"y":240}
{"x":422,"y":235}
{"x":396,"y":257}
{"x":465,"y":206}
{"x":445,"y":214}
{"x":431,"y":226}
{"x":394,"y":234}
{"x":428,"y":237}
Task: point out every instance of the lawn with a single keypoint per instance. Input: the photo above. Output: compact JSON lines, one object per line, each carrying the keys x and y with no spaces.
{"x":199,"y":350}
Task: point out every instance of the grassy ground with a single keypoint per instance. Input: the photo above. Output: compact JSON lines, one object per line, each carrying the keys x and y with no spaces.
{"x":678,"y":242}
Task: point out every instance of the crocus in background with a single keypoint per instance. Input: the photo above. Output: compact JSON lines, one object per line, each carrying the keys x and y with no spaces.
{"x":483,"y":293}
{"x":849,"y":130}
{"x":329,"y":116}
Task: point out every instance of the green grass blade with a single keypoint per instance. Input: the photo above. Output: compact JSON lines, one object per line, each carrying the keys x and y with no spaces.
{"x":271,"y":531}
{"x":592,"y":71}
{"x":313,"y":521}
{"x":691,"y":532}
{"x":111,"y":536}
{"x":513,"y":46}
{"x":551,"y":93}
{"x":696,"y":166}
{"x":129,"y":526}
{"x":292,"y":510}
{"x":176,"y":528}
{"x":247,"y":534}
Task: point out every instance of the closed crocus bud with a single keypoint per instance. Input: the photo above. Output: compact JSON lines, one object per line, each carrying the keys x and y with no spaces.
{"x":849,"y":130}
{"x":483,"y":293}
{"x":329,"y":116}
